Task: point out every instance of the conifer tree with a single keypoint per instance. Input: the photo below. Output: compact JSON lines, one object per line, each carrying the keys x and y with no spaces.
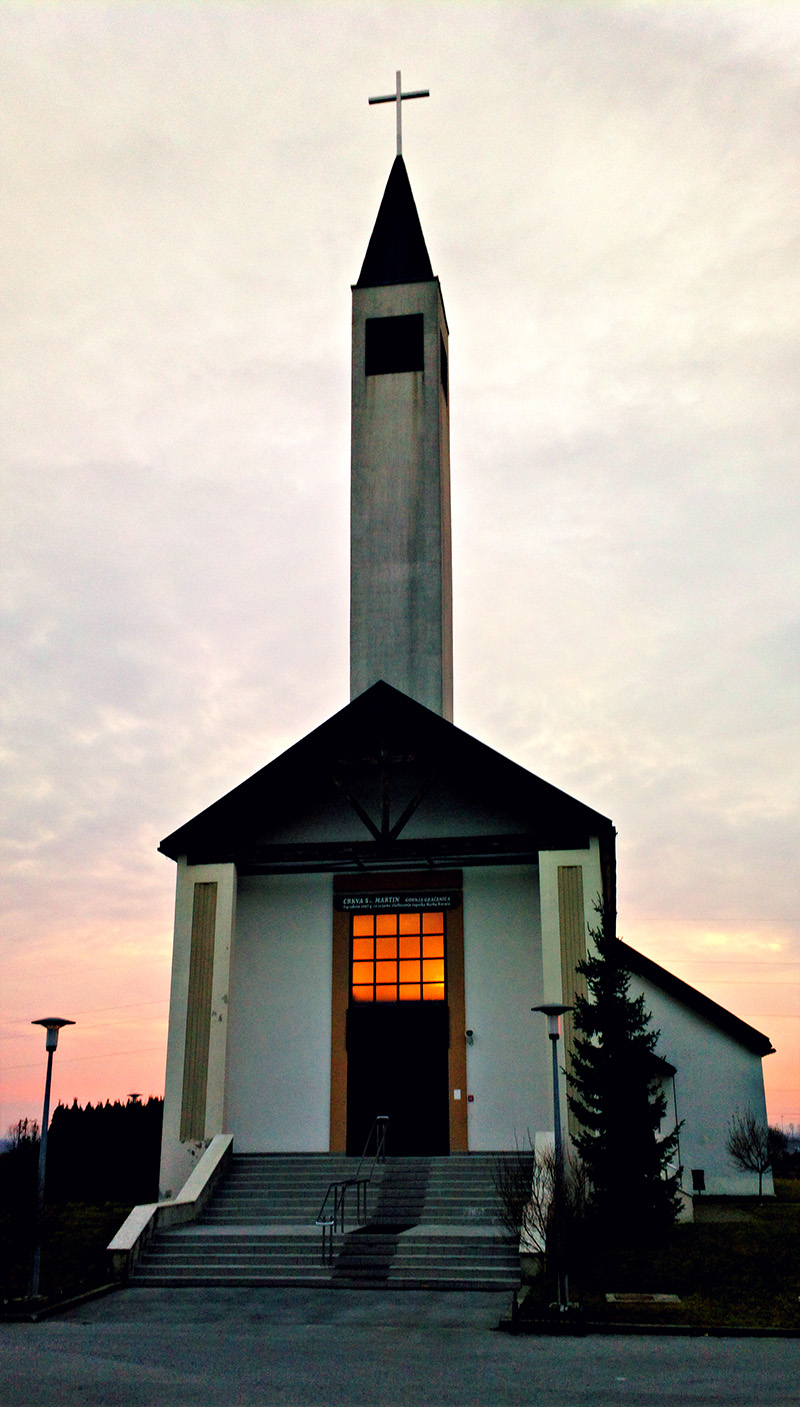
{"x":616,"y":1095}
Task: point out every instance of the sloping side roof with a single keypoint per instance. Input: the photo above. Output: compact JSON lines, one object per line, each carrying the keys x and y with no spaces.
{"x":396,"y":252}
{"x":255,"y":817}
{"x":703,"y":1006}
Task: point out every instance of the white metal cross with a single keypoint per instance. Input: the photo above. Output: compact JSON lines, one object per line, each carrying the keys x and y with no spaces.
{"x":399,"y":97}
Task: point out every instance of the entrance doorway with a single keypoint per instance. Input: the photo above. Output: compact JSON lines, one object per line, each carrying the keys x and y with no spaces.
{"x":397,"y":1065}
{"x":398,"y":1031}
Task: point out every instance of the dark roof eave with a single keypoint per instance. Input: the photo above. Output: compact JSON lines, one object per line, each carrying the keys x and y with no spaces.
{"x":698,"y":1002}
{"x":186,"y":837}
{"x":453,"y":850}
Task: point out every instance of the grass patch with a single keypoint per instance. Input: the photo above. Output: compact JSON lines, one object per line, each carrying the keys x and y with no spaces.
{"x":737,"y":1265}
{"x":74,"y":1257}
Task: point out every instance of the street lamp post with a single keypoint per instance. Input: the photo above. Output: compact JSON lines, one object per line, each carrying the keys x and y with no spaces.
{"x":554,"y":1011}
{"x":52,"y":1025}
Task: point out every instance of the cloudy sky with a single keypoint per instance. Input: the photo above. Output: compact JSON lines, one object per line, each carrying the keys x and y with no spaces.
{"x":611,"y":198}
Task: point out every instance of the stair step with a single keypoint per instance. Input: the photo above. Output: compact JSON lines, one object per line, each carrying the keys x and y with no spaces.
{"x":259,"y":1228}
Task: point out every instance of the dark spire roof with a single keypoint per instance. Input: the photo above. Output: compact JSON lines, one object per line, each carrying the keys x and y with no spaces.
{"x":396,"y":252}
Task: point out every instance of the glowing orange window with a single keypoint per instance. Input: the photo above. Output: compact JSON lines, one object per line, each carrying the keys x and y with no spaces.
{"x":397,"y":957}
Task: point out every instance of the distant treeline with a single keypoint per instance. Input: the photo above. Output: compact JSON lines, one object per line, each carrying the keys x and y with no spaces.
{"x":98,"y":1153}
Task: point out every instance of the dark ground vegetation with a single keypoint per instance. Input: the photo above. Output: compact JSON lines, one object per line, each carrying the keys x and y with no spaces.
{"x":101,"y":1161}
{"x":737,"y":1265}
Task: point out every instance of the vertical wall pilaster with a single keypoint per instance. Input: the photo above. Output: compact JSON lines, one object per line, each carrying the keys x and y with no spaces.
{"x":570,"y":884}
{"x":194,"y":1100}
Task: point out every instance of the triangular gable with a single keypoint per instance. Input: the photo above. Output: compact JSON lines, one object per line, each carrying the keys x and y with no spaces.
{"x":451,"y":799}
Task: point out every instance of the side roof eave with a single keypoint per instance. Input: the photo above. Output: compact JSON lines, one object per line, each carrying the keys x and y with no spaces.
{"x":697,"y":1002}
{"x":379,"y":698}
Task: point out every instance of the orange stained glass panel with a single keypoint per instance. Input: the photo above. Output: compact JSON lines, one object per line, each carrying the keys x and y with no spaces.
{"x":378,"y":975}
{"x":433,"y":946}
{"x":409,"y":972}
{"x":409,"y":947}
{"x":433,"y":971}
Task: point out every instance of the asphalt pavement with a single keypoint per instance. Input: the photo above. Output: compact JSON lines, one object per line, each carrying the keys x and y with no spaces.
{"x":323,"y":1348}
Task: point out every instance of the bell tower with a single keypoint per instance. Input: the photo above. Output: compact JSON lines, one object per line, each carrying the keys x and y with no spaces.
{"x":400,"y":560}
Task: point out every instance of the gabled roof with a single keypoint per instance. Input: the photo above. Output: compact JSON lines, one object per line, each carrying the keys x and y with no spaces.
{"x":387,"y":783}
{"x":701,"y":1005}
{"x":396,"y":252}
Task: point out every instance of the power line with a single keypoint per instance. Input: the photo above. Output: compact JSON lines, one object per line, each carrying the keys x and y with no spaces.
{"x":90,"y":1011}
{"x":94,"y":1010}
{"x":742,"y":982}
{"x":101,"y":1055}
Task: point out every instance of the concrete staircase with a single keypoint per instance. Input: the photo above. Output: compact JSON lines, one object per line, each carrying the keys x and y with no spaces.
{"x":431,"y":1223}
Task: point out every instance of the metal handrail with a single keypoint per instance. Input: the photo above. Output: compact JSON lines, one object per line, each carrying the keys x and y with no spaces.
{"x":380,"y":1128}
{"x":331,"y":1217}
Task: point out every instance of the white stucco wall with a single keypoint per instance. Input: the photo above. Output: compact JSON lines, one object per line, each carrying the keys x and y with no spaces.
{"x":280,"y":1015}
{"x":508,"y":1064}
{"x":715,"y":1077}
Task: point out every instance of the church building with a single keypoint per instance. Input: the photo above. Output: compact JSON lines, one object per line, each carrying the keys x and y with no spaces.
{"x":363,"y":926}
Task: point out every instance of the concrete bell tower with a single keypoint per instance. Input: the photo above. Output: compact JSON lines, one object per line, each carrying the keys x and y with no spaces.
{"x":400,"y":564}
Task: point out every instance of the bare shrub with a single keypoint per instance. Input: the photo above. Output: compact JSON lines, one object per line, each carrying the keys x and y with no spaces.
{"x":525,"y":1183}
{"x":752,"y":1144}
{"x":512,"y":1182}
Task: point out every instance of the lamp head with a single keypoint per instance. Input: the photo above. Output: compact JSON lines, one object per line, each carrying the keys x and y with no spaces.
{"x":52,"y":1025}
{"x":553,"y":1011}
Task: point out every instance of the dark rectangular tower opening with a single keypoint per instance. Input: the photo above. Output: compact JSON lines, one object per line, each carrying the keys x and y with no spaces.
{"x":394,"y":344}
